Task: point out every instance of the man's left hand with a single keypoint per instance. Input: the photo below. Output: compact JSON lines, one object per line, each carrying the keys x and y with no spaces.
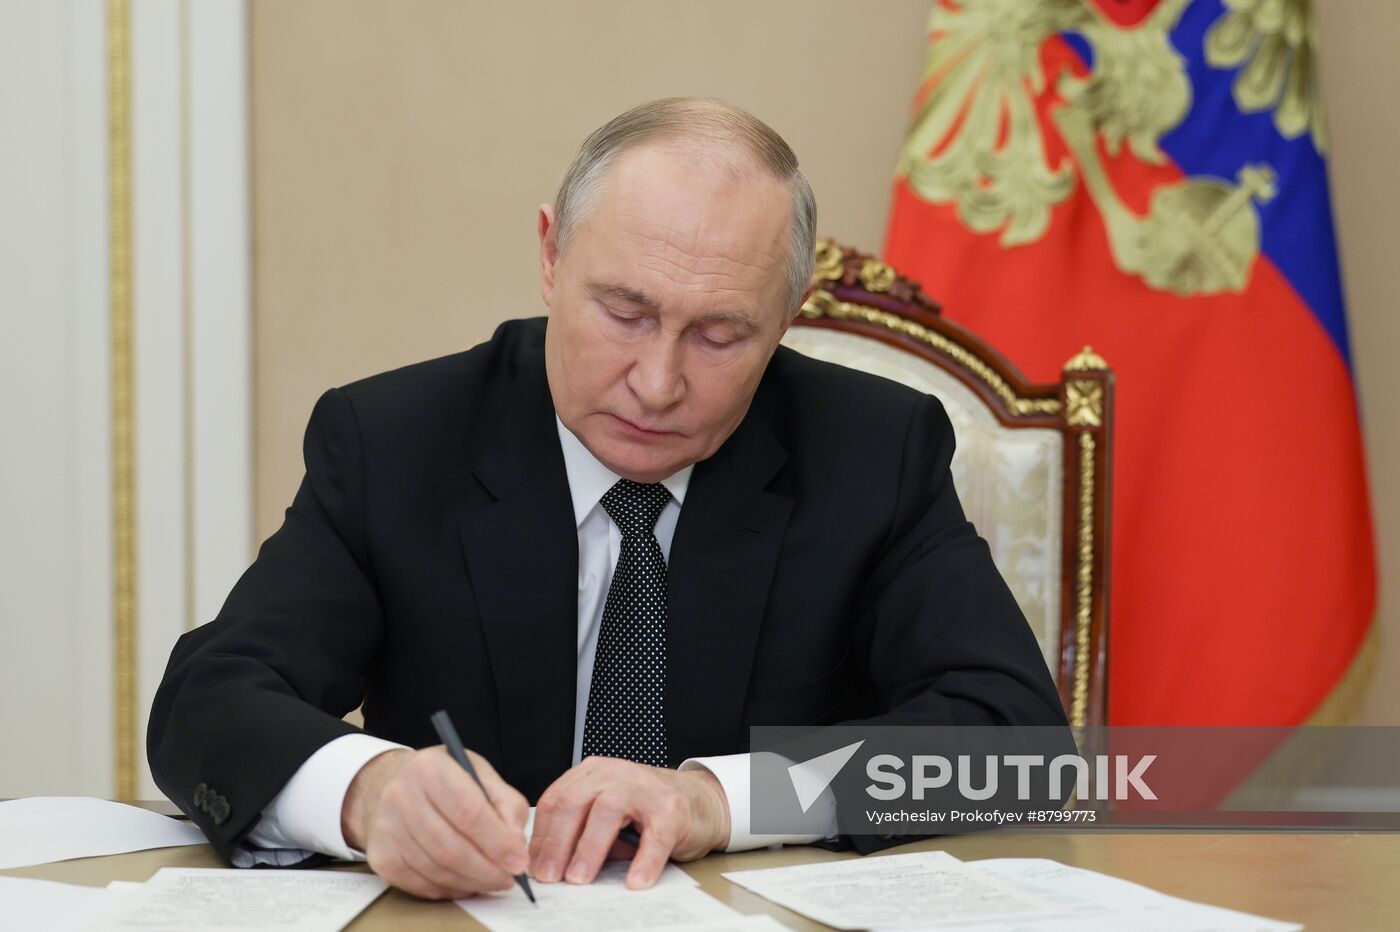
{"x":681,"y":816}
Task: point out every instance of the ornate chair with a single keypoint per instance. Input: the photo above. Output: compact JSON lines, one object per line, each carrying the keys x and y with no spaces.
{"x":1032,"y":465}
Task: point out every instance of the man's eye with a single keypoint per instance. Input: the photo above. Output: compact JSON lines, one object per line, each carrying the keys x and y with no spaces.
{"x":718,"y":342}
{"x":622,"y":317}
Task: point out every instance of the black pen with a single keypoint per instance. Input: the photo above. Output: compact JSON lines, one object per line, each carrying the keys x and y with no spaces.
{"x":448,"y":734}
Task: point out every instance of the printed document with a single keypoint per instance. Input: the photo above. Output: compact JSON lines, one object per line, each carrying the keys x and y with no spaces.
{"x":605,"y":904}
{"x":191,"y":899}
{"x":892,"y":890}
{"x":1094,"y":902}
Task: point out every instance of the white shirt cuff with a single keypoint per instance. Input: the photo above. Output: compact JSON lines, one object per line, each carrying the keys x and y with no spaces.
{"x":305,"y":815}
{"x":732,"y":772}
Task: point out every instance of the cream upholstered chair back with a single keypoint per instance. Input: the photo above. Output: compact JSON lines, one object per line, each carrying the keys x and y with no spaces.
{"x":1032,"y":461}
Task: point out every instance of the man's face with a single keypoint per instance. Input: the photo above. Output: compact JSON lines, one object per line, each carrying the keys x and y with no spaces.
{"x":665,"y":309}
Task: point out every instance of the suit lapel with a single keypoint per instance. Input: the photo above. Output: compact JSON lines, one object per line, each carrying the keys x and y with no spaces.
{"x":721,"y":566}
{"x":522,"y":556}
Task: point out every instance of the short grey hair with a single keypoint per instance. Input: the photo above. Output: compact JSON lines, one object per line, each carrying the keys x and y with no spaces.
{"x":672,"y":119}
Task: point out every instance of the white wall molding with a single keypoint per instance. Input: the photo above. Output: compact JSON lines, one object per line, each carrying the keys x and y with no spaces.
{"x":56,"y":684}
{"x":158,"y":349}
{"x":191,"y":407}
{"x":220,"y":290}
{"x":192,"y":322}
{"x":92,"y":374}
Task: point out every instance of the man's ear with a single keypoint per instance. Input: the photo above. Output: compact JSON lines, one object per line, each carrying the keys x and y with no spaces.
{"x":549,"y":252}
{"x":792,"y":314}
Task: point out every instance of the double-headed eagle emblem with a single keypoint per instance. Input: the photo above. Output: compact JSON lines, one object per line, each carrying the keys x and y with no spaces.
{"x":978,"y":135}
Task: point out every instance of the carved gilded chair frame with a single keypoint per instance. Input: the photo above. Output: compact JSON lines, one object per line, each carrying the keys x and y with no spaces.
{"x":862,"y":295}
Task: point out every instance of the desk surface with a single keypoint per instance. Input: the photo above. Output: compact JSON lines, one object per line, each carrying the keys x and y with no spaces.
{"x":1321,"y":880}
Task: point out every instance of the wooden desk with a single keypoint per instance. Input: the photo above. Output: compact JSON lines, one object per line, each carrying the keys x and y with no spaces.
{"x":1343,"y":882}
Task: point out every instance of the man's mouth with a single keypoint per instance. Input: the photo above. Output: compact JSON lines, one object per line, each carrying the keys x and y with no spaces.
{"x":639,"y":430}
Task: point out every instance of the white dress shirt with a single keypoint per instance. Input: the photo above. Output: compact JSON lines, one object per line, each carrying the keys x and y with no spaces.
{"x":305,"y":816}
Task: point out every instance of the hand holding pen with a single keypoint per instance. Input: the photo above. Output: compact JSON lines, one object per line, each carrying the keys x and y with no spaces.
{"x":430,"y":830}
{"x":448,"y":734}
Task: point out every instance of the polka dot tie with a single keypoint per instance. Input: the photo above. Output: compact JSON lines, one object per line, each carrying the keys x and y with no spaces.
{"x":626,"y":717}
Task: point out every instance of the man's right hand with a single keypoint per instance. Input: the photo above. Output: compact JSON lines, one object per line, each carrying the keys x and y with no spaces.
{"x":428,"y":829}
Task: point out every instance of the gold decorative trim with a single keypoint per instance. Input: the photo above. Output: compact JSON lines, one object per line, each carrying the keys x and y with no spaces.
{"x":829,"y":266}
{"x":1086,"y":360}
{"x":1084,"y":403}
{"x":123,"y":459}
{"x":823,"y":304}
{"x":850,"y":268}
{"x":1084,"y":583}
{"x":876,"y":276}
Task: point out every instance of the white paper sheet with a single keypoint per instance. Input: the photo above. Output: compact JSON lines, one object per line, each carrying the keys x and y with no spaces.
{"x":602,"y":905}
{"x":43,"y":829}
{"x":891,"y":890}
{"x":1095,"y":902}
{"x":192,"y":899}
{"x":739,"y":923}
{"x":124,"y":885}
{"x":45,"y":904}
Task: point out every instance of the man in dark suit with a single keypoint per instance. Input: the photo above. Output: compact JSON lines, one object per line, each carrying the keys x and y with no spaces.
{"x":607,"y":543}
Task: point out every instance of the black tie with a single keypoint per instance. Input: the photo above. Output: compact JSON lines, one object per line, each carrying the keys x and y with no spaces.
{"x":626,"y":717}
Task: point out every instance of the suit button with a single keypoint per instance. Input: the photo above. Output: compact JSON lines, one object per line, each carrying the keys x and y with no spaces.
{"x":219,"y":810}
{"x":201,"y":792}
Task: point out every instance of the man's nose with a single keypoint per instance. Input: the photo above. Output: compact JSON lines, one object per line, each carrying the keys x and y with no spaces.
{"x":657,"y":377}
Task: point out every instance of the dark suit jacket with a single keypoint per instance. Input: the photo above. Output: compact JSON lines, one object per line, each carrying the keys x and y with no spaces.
{"x":821,"y":570}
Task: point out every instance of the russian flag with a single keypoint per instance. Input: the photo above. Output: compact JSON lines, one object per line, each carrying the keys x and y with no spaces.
{"x":1149,"y":177}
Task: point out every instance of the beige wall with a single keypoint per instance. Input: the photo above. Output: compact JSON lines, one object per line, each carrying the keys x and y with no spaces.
{"x":400,"y":152}
{"x":1361,"y":74}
